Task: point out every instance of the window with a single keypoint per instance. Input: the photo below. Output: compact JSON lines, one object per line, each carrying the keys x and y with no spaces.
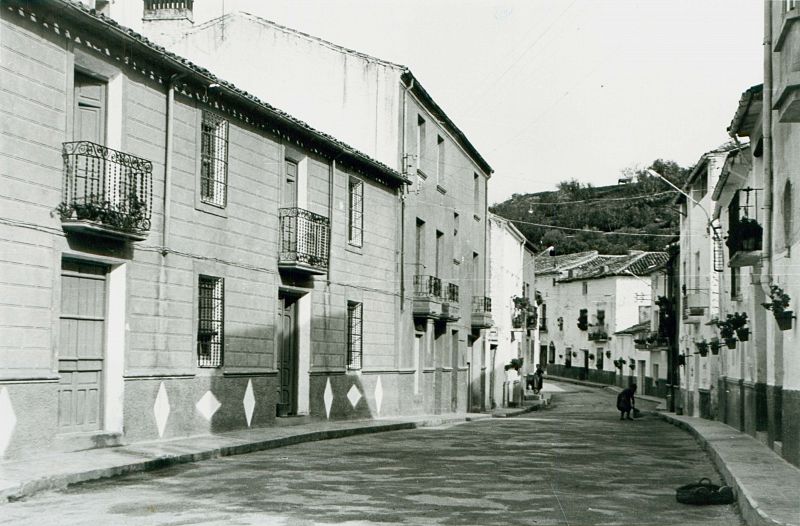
{"x":476,"y":193}
{"x":735,"y":283}
{"x":700,"y":187}
{"x":476,"y":275}
{"x":420,"y":246}
{"x":599,"y":358}
{"x":601,"y":318}
{"x":439,"y":160}
{"x":355,"y":231}
{"x":787,"y":215}
{"x":585,"y":288}
{"x":644,"y":313}
{"x":697,"y":270}
{"x":791,"y":4}
{"x":214,"y":159}
{"x":440,"y":266}
{"x":354,"y":344}
{"x":420,"y":140}
{"x":210,"y":321}
{"x":551,"y":353}
{"x":289,"y":194}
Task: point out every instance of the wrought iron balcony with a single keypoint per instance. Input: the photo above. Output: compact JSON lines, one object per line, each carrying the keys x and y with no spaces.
{"x":599,"y":333}
{"x":744,"y":242}
{"x":106,"y":192}
{"x":427,"y":296}
{"x":451,"y":308}
{"x":305,"y":241}
{"x":481,"y":312}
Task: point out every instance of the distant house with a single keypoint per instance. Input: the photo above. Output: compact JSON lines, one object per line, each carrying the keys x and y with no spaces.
{"x":588,"y":297}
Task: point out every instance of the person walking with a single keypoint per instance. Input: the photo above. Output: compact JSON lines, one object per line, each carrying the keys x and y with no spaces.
{"x":538,"y":379}
{"x":626,"y":402}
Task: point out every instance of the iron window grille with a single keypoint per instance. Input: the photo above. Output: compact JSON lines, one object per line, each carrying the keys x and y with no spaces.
{"x":210,"y":324}
{"x":355,"y":234}
{"x":214,"y":158}
{"x":354,"y":332}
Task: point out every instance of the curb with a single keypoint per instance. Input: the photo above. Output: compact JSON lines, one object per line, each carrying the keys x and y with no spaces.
{"x":14,"y":492}
{"x":748,"y":504}
{"x":511,"y":412}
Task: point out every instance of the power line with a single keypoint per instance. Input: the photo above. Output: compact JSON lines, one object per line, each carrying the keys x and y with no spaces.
{"x":598,"y":200}
{"x":637,"y":234}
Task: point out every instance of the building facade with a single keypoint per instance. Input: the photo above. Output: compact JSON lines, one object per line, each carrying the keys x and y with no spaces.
{"x":179,"y":257}
{"x":382,"y":109}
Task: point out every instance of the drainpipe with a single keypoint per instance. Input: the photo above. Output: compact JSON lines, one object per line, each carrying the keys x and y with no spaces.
{"x":766,"y":133}
{"x":403,"y":192}
{"x":168,"y":163}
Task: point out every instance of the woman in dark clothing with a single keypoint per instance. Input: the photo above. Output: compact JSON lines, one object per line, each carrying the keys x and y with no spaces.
{"x":626,"y":402}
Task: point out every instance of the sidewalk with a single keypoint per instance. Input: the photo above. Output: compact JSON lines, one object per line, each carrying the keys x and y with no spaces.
{"x":767,"y":487}
{"x":23,"y":478}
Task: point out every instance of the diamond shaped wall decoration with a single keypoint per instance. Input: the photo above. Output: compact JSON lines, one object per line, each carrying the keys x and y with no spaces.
{"x":8,"y":420}
{"x":354,"y":395}
{"x":249,"y":402}
{"x":378,"y":395}
{"x":328,"y":398}
{"x":208,"y":405}
{"x":161,"y":409}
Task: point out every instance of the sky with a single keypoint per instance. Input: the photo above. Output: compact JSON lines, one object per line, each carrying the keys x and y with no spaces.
{"x":550,"y":90}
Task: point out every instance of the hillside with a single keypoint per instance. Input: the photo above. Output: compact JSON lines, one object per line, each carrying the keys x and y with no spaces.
{"x":643,"y":207}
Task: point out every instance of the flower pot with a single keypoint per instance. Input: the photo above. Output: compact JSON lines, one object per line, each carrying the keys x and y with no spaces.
{"x":784,"y":320}
{"x":715,"y":350}
{"x":730,"y":342}
{"x":743,"y":335}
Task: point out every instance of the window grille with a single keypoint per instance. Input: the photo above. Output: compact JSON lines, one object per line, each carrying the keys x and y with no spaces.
{"x":214,"y":157}
{"x":210,"y":321}
{"x":356,"y":217}
{"x":354,"y":330}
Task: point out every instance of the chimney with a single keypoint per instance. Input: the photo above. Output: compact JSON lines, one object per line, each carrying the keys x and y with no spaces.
{"x":165,"y":21}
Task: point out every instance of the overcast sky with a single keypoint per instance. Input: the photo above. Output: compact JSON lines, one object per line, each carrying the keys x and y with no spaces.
{"x":549,"y":90}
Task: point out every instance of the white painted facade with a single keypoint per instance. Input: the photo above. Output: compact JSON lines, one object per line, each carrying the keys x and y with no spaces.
{"x":699,"y":302}
{"x":507,"y":247}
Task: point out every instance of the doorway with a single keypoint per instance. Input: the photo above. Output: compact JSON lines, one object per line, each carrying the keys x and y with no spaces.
{"x":287,"y":355}
{"x":82,"y":334}
{"x":455,"y":353}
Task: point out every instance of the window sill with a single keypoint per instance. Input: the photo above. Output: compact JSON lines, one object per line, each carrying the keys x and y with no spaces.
{"x":210,"y":209}
{"x":355,"y":249}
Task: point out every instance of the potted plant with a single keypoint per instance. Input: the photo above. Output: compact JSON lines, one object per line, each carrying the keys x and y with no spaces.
{"x":560,"y":322}
{"x":681,"y":359}
{"x":574,"y":354}
{"x":715,"y":345}
{"x":778,"y":306}
{"x":591,"y":356}
{"x":740,"y":326}
{"x":745,"y":235}
{"x":726,"y":332}
{"x":515,"y":363}
{"x":608,"y":354}
{"x":702,"y":347}
{"x":632,"y":366}
{"x":583,"y":320}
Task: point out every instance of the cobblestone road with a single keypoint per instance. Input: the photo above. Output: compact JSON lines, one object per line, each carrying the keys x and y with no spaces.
{"x":574,"y":464}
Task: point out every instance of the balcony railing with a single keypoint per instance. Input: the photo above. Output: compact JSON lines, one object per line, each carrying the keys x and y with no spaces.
{"x":451,"y":308}
{"x":427,"y":286}
{"x":106,"y":191}
{"x":428,"y":297}
{"x":305,"y":241}
{"x":481,"y":312}
{"x":744,"y":242}
{"x":599,"y":333}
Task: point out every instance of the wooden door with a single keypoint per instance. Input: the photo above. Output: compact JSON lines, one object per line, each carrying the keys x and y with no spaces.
{"x":89,"y":120}
{"x":287,"y":358}
{"x":82,"y":346}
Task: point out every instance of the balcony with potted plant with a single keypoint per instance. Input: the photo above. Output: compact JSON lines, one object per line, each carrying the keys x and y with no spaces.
{"x":779,"y":301}
{"x":107,"y":193}
{"x":744,"y":242}
{"x":599,"y":333}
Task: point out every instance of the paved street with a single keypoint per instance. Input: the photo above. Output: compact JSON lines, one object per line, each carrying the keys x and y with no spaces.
{"x":575,"y":463}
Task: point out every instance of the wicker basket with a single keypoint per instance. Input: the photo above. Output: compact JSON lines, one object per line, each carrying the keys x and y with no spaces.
{"x":704,"y":492}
